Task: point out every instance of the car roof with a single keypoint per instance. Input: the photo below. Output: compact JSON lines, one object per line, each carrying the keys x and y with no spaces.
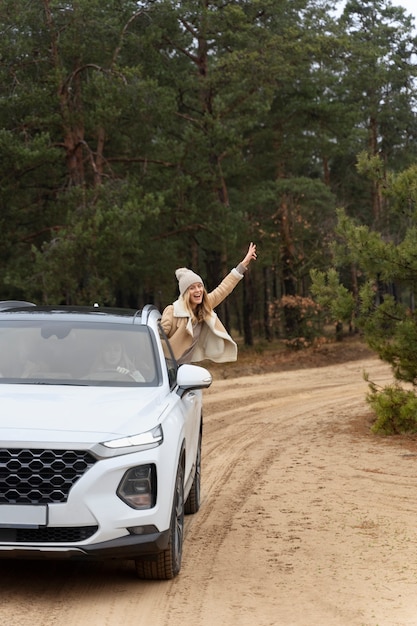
{"x":27,"y":310}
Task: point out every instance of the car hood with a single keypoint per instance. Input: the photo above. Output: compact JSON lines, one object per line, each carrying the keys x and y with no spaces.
{"x":56,"y":413}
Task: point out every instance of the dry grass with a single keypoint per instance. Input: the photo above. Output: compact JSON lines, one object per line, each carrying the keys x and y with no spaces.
{"x":266,"y":357}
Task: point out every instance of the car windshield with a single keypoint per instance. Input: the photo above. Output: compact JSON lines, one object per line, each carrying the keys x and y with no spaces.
{"x":61,"y":352}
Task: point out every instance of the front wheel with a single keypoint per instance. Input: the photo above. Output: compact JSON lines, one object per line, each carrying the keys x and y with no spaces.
{"x":192,"y":503}
{"x":167,"y":564}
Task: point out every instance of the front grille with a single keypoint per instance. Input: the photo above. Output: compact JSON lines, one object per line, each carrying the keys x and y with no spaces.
{"x":46,"y":535}
{"x":40,"y":476}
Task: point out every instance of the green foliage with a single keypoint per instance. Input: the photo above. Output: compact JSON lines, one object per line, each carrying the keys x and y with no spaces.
{"x":386,"y":280}
{"x":332,"y":296}
{"x":138,"y":136}
{"x":96,"y":252}
{"x":391,"y":330}
{"x":395,"y":408}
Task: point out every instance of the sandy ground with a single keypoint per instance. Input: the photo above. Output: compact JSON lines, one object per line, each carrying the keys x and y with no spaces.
{"x":307,"y":519}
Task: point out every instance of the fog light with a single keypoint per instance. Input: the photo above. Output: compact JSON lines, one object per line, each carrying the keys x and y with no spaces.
{"x":143,"y":530}
{"x":138,"y":487}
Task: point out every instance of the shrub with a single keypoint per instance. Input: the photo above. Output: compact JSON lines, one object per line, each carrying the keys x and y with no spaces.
{"x":301,"y":319}
{"x":395,"y":408}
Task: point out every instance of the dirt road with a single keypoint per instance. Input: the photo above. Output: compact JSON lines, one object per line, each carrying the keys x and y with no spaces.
{"x":307,"y":520}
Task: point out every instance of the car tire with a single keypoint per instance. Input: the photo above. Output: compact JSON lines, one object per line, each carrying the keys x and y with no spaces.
{"x":167,"y":564}
{"x":192,"y":503}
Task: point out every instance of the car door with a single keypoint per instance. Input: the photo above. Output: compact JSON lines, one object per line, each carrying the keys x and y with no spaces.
{"x":189,"y":405}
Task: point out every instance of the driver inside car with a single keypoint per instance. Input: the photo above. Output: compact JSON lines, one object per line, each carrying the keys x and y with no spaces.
{"x":113,"y":357}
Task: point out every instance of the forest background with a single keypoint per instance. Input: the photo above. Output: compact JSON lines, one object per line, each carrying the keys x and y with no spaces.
{"x":136,"y":137}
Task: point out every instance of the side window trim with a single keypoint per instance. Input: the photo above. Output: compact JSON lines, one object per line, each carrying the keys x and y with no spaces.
{"x":171,"y":363}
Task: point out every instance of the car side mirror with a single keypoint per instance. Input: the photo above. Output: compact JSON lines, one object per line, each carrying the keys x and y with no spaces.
{"x":192,"y":377}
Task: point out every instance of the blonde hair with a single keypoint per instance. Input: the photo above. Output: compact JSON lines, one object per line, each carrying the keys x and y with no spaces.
{"x":202,"y":310}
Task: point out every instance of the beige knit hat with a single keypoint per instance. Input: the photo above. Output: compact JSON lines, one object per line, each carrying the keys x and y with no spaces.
{"x":186,"y":278}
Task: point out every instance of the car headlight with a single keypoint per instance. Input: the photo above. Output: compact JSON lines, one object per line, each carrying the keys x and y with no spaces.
{"x":138,"y":487}
{"x":150,"y":439}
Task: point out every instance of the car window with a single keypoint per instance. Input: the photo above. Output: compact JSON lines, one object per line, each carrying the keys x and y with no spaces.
{"x":75,"y":353}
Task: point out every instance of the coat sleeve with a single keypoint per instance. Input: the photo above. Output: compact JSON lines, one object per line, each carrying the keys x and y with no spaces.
{"x":225,"y":288}
{"x":167,"y":320}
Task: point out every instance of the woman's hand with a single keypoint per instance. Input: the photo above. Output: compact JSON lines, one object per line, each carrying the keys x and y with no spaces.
{"x":250,"y":255}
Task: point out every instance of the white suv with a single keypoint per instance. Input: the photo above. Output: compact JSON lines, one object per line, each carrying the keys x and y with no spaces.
{"x":100,"y":437}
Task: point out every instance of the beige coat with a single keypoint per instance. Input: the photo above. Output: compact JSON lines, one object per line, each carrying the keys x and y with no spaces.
{"x":214,"y":342}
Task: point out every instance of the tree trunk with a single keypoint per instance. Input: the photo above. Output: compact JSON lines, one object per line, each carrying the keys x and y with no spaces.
{"x":267,"y":304}
{"x":248,"y":311}
{"x":288,"y":277}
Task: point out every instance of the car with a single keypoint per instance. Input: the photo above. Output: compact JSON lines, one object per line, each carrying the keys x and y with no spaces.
{"x":100,"y":436}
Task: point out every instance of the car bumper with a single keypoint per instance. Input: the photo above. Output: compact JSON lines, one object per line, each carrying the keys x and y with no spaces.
{"x":127,"y":547}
